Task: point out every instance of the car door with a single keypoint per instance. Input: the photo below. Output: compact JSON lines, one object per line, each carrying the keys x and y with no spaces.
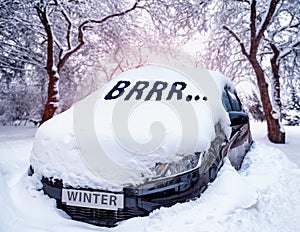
{"x":240,"y":139}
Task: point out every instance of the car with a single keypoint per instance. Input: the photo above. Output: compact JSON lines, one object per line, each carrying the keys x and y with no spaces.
{"x":102,"y":187}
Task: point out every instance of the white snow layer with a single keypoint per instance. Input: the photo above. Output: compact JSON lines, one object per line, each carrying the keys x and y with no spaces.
{"x":263,"y":196}
{"x":169,"y":129}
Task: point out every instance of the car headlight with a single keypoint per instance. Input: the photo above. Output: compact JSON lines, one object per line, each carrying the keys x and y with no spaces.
{"x":179,"y":165}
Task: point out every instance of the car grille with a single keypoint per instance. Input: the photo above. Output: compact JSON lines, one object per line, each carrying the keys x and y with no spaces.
{"x":100,"y":217}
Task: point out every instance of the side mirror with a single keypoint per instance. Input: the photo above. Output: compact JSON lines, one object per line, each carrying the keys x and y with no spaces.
{"x":238,"y":118}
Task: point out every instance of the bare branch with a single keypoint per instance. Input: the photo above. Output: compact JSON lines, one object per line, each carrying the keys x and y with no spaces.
{"x":67,"y":18}
{"x":26,"y":61}
{"x":252,"y":21}
{"x":243,"y":1}
{"x":266,"y":22}
{"x":234,"y":35}
{"x":81,"y":34}
{"x":290,"y":49}
{"x":42,"y":13}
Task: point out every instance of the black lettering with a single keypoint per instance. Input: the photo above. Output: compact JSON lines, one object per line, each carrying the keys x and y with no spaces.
{"x":177,"y":91}
{"x":138,"y":89}
{"x":79,"y":196}
{"x":112,"y":200}
{"x":87,"y":197}
{"x":104,"y":199}
{"x":189,"y":98}
{"x":72,"y":196}
{"x":157,"y":90}
{"x":117,"y":88}
{"x":96,"y":197}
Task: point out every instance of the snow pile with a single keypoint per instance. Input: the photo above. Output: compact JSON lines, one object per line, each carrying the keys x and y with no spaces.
{"x":106,"y":143}
{"x":290,"y":148}
{"x":15,"y":144}
{"x":7,"y":215}
{"x":263,"y":196}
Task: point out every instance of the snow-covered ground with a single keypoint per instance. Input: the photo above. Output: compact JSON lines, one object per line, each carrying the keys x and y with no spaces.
{"x":263,"y":196}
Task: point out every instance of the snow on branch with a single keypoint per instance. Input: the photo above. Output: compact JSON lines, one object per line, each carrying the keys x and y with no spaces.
{"x":235,"y":36}
{"x":266,"y":20}
{"x":287,"y":50}
{"x":30,"y":25}
{"x":70,"y":24}
{"x":243,"y":1}
{"x":86,"y":23}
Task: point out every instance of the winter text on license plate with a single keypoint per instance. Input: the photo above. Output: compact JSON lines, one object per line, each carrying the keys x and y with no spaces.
{"x":93,"y":199}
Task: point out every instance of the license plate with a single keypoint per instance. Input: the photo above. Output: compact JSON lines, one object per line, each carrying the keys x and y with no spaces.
{"x":93,"y":199}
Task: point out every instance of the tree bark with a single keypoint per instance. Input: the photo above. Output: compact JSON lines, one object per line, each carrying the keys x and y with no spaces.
{"x":276,"y":77}
{"x":52,"y":99}
{"x":53,"y":94}
{"x":275,"y":134}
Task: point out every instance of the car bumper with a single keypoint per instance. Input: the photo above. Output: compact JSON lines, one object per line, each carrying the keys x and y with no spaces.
{"x":138,"y":201}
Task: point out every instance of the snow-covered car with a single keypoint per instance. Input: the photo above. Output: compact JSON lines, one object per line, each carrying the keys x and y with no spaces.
{"x":96,"y":160}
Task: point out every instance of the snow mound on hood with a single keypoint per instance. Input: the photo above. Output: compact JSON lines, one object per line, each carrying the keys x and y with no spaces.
{"x":108,"y":143}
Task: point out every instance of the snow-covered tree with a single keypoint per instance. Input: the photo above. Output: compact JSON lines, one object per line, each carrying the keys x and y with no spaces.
{"x":59,"y":41}
{"x":266,"y":35}
{"x":65,"y":35}
{"x":291,"y":110}
{"x":21,"y":89}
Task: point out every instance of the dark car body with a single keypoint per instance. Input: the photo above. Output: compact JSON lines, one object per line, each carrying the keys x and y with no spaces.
{"x":164,"y":191}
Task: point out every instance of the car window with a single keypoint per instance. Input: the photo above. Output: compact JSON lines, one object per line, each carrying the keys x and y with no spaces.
{"x":235,"y":103}
{"x":226,"y":101}
{"x":231,"y":101}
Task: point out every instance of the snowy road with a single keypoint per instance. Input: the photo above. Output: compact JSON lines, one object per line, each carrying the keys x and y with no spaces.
{"x":263,"y":196}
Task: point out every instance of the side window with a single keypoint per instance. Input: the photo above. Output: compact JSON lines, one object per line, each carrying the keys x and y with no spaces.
{"x":231,"y":101}
{"x":235,"y":103}
{"x":226,"y":101}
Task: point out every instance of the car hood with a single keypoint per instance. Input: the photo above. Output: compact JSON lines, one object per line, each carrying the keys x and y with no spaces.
{"x":110,"y":143}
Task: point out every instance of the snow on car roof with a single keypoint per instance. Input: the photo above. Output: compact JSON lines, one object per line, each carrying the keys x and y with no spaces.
{"x":144,"y":116}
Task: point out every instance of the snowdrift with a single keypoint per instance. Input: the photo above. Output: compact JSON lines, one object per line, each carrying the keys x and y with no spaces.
{"x":263,"y":196}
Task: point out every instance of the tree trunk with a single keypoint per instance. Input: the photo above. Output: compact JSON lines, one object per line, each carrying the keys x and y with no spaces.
{"x":276,"y":78}
{"x":52,"y":71}
{"x":272,"y":117}
{"x":275,"y":134}
{"x":52,"y":99}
